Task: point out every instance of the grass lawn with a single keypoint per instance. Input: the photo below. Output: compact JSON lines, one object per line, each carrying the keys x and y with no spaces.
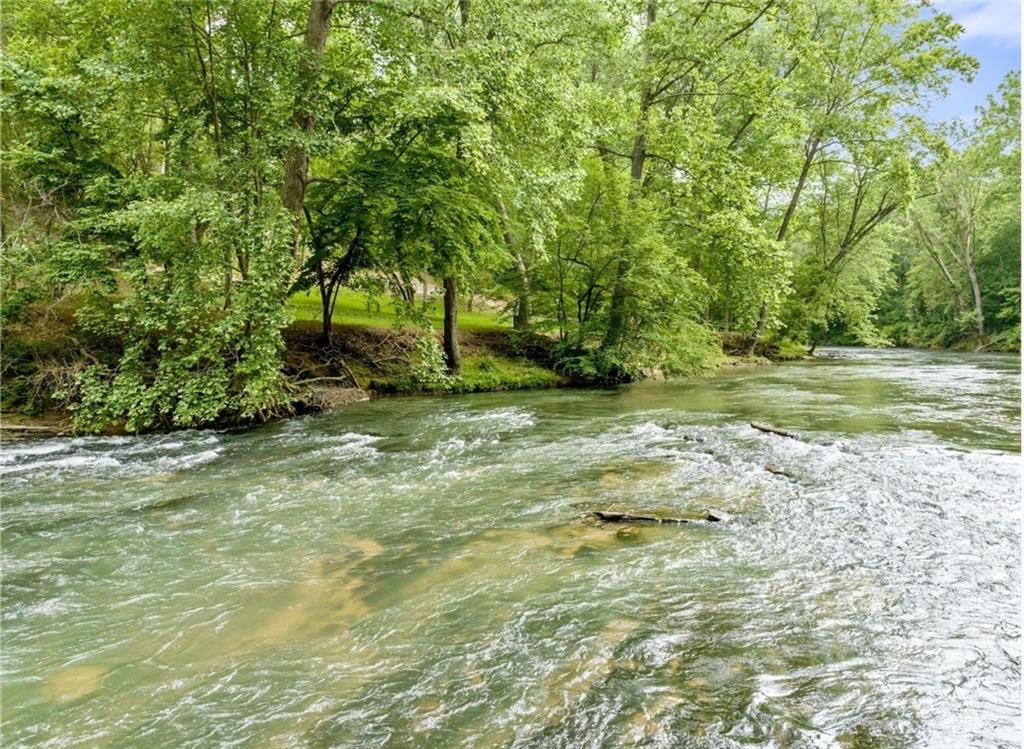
{"x":482,"y":368}
{"x":486,"y":372}
{"x":353,"y":308}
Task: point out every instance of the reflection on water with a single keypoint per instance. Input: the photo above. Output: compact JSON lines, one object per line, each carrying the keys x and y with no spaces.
{"x":419,"y":572}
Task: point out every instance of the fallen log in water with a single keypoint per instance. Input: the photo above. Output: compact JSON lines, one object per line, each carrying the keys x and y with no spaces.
{"x":711,"y":516}
{"x":626,"y":517}
{"x":31,"y":430}
{"x":773,"y":430}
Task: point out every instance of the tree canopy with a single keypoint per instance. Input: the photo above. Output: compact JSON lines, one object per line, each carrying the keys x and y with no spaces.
{"x":644,"y":181}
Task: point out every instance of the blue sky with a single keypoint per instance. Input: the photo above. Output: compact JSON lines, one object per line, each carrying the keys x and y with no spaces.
{"x":992,"y":31}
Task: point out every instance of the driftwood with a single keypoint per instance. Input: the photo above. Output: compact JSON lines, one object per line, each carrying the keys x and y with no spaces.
{"x":15,"y":430}
{"x":778,"y":471}
{"x":347,"y":378}
{"x":711,"y":516}
{"x":27,"y":428}
{"x":773,"y":430}
{"x":625,"y":517}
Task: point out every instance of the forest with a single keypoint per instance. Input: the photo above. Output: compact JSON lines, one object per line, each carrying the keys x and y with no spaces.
{"x":632,"y":188}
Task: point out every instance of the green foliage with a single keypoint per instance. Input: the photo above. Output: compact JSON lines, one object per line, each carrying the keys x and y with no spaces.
{"x":589,"y":365}
{"x":140,"y":179}
{"x":788,"y":350}
{"x":961,"y":241}
{"x":429,"y":371}
{"x":192,"y":355}
{"x":644,"y":179}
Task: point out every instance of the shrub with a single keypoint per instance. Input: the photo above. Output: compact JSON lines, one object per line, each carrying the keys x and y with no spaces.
{"x":429,"y":370}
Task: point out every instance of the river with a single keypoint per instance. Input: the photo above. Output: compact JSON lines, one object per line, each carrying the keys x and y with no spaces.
{"x":419,"y":572}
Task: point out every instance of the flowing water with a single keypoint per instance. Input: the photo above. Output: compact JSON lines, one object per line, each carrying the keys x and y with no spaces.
{"x":420,"y":572}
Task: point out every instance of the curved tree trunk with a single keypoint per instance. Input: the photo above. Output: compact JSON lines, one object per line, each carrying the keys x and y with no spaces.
{"x":762,"y":320}
{"x":934,"y":251}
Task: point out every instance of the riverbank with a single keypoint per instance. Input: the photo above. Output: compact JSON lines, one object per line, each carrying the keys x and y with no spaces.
{"x":363,"y":362}
{"x":359,"y":363}
{"x":383,"y":359}
{"x":373,"y":352}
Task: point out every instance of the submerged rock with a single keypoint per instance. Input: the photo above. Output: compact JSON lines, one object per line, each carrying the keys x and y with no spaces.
{"x":73,"y":683}
{"x":717,"y":516}
{"x":171,"y":503}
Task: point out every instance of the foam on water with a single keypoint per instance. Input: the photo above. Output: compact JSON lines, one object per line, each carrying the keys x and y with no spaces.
{"x":71,"y":462}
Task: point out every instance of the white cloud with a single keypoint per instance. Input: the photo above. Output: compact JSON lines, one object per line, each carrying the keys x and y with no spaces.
{"x":992,"y":19}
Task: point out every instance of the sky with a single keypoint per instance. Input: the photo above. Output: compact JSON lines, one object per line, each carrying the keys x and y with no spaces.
{"x":992,"y":33}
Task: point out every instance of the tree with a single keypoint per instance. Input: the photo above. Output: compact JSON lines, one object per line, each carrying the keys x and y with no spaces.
{"x":843,"y":272}
{"x":856,"y":64}
{"x":174,"y":158}
{"x":969,"y":218}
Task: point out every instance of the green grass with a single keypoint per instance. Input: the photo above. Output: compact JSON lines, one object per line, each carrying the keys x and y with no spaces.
{"x":488,"y":372}
{"x":480,"y":373}
{"x":354,"y":308}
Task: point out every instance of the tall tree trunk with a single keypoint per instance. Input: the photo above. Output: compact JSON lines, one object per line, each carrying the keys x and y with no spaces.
{"x":521,"y":317}
{"x":617,"y":313}
{"x":451,"y":325}
{"x":325,"y":316}
{"x":810,"y":151}
{"x":979,"y":311}
{"x":620,"y":294}
{"x":451,"y":289}
{"x":296,"y":162}
{"x":617,"y":308}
